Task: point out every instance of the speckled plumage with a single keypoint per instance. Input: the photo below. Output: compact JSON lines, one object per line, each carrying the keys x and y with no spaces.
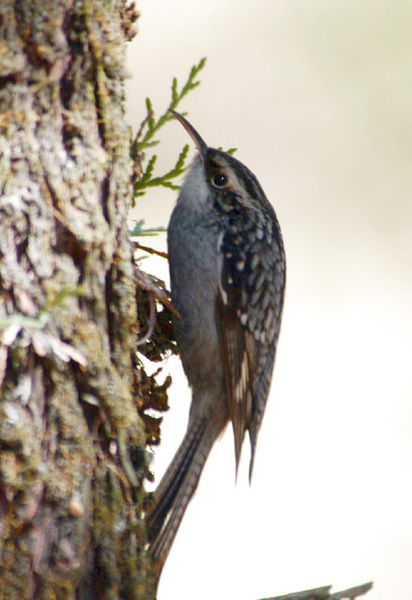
{"x":228,"y":270}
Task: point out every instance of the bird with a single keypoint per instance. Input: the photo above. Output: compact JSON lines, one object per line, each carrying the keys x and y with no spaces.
{"x":228,"y":273}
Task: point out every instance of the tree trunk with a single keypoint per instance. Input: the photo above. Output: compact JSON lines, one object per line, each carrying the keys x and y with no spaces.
{"x":71,"y":439}
{"x":72,"y":442}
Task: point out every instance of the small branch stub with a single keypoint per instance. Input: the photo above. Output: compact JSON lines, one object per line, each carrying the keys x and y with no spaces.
{"x":324,"y":593}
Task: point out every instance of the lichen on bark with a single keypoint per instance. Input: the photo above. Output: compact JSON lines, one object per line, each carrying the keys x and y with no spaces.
{"x":72,"y":444}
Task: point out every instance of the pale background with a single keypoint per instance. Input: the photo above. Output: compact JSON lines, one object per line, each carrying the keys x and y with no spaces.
{"x":317,"y":97}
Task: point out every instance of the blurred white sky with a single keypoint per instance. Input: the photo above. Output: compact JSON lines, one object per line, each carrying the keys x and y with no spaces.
{"x":317,"y":96}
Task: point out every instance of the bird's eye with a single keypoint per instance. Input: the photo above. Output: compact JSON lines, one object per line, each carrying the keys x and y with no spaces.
{"x":219,"y":180}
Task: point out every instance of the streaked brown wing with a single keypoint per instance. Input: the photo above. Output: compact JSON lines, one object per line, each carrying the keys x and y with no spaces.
{"x":249,"y":306}
{"x":238,"y":348}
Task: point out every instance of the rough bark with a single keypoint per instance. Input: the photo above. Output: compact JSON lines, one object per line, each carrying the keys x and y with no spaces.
{"x":72,"y":443}
{"x":71,"y":440}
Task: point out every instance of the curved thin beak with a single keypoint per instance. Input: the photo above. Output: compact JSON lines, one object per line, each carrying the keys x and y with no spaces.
{"x":200,"y":144}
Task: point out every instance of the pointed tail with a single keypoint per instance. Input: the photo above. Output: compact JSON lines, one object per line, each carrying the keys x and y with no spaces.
{"x":178,"y":485}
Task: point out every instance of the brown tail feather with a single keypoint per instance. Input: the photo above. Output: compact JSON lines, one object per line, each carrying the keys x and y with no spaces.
{"x":177,"y":487}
